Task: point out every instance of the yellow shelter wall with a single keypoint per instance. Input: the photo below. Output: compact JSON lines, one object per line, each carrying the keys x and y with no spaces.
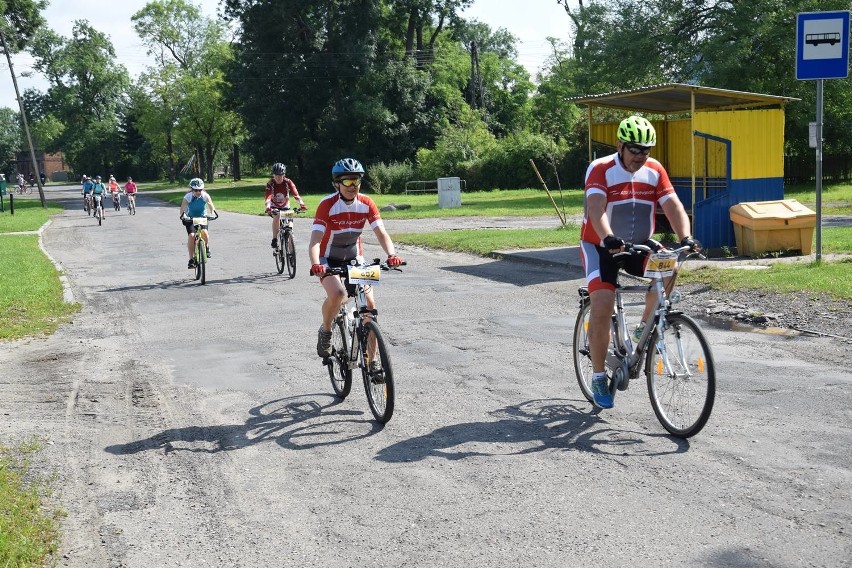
{"x":757,"y":143}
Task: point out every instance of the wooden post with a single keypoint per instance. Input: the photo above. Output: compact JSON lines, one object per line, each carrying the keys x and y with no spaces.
{"x":538,"y":175}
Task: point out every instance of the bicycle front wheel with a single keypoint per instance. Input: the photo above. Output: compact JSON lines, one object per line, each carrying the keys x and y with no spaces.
{"x":290,"y":253}
{"x":100,"y":213}
{"x":280,"y":263}
{"x":338,"y":364}
{"x":582,"y":354}
{"x":378,"y":373}
{"x":681,"y":376}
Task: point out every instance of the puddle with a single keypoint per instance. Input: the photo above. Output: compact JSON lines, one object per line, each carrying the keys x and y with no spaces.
{"x":729,"y":325}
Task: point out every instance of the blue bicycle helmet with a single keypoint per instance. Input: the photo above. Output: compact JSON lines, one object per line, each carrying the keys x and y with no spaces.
{"x":347,"y":166}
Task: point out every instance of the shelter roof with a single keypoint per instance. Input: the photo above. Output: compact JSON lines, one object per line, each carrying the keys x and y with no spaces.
{"x":673,"y":98}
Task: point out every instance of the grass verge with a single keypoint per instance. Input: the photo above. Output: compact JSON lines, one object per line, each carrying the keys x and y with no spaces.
{"x":29,"y":535}
{"x":29,"y":215}
{"x":31,"y":300}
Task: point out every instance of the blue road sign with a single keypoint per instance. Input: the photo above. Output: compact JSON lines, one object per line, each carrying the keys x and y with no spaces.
{"x":822,"y":45}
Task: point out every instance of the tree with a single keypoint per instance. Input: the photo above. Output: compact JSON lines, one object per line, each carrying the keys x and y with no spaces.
{"x":188,"y":86}
{"x":10,"y":139}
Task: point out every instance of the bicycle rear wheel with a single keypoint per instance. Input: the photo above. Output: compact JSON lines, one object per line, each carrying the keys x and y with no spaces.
{"x":582,"y":354}
{"x":681,"y":376}
{"x":290,"y":253}
{"x":100,"y":213}
{"x":338,"y":363}
{"x":378,"y":374}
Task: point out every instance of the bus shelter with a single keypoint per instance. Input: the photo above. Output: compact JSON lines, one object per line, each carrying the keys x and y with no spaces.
{"x":720,"y":147}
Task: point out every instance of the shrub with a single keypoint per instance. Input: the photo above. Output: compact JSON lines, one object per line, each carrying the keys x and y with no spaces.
{"x":390,"y":178}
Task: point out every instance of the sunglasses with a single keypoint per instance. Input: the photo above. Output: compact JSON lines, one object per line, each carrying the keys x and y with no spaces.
{"x":196,"y":191}
{"x":349,"y":182}
{"x":636,"y":150}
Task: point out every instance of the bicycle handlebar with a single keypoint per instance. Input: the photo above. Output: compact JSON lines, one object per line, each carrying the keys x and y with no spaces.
{"x":635,"y":248}
{"x":185,"y":217}
{"x":342,"y":270}
{"x":275,"y":210}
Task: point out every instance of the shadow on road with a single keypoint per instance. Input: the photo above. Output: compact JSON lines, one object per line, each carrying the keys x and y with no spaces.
{"x":530,"y":427}
{"x":298,"y":423}
{"x":518,"y":273}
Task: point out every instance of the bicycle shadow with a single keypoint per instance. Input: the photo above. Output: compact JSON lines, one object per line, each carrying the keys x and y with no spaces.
{"x":298,"y":422}
{"x":190,"y":281}
{"x":531,"y":427}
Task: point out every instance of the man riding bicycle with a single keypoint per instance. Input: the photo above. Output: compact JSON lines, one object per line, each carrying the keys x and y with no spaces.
{"x":336,"y":240}
{"x":278,"y":191}
{"x":196,"y":204}
{"x":622,"y":193}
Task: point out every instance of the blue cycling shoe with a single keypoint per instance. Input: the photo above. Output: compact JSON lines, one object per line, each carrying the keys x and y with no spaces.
{"x":602,"y":396}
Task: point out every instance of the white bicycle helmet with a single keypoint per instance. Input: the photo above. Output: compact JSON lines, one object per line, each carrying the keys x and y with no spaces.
{"x":196,"y":183}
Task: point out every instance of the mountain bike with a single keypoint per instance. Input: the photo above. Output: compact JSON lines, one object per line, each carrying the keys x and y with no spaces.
{"x":23,"y":189}
{"x":131,"y":204}
{"x":99,"y":208}
{"x":357,"y":342}
{"x":200,"y":224}
{"x":285,"y":254}
{"x":672,"y":350}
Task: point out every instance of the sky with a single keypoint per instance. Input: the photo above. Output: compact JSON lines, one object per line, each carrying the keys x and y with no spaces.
{"x":531,"y":21}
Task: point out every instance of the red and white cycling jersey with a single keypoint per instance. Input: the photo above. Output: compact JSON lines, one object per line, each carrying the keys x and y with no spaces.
{"x":342,"y":224}
{"x":631,"y":198}
{"x":278,"y":194}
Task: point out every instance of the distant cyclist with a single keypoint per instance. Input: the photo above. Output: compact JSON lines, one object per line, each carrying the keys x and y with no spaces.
{"x":278,"y":191}
{"x":114,"y":190}
{"x":88,"y":184}
{"x":98,"y":191}
{"x":336,"y":240}
{"x":130,"y":189}
{"x":196,"y":203}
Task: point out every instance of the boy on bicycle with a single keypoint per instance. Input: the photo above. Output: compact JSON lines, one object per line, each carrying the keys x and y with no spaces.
{"x":336,"y":240}
{"x":622,"y":194}
{"x":195,"y":204}
{"x":278,"y":191}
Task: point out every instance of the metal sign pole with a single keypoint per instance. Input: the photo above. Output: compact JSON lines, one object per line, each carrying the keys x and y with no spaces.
{"x":819,"y":170}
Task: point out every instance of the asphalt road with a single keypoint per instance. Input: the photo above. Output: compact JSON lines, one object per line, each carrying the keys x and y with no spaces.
{"x":194,"y":425}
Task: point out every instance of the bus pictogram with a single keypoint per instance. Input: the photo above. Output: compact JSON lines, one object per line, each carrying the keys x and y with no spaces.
{"x":816,"y":39}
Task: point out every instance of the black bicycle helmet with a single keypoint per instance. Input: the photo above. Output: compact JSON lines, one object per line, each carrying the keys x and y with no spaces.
{"x":279,"y":169}
{"x":347,"y":166}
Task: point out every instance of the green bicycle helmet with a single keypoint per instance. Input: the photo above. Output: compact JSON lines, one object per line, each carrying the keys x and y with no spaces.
{"x":637,"y":130}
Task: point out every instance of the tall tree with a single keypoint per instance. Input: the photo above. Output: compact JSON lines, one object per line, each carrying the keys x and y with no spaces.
{"x":188,"y":86}
{"x":10,"y":139}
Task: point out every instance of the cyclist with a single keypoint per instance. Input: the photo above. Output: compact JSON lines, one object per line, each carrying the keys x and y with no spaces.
{"x":88,"y":184}
{"x":98,"y":190}
{"x":196,"y":203}
{"x":622,"y":193}
{"x":336,"y":240}
{"x":114,"y":190}
{"x":130,"y":189}
{"x":21,"y":183}
{"x":278,"y":191}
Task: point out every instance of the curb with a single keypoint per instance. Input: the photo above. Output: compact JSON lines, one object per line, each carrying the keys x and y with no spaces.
{"x":67,"y":293}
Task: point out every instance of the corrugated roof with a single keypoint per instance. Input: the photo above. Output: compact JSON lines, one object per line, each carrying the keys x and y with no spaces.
{"x":677,"y":97}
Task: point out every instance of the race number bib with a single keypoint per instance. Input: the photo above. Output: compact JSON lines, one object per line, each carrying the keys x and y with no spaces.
{"x":661,"y":264}
{"x":202,"y":221}
{"x":364,"y":275}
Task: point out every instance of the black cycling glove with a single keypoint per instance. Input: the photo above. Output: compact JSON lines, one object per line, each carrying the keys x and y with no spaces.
{"x":691,"y":242}
{"x":612,"y":242}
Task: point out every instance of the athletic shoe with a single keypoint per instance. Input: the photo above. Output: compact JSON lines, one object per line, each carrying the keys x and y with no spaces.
{"x":602,"y":396}
{"x":275,"y":243}
{"x":192,"y":263}
{"x":208,"y":253}
{"x":323,"y":343}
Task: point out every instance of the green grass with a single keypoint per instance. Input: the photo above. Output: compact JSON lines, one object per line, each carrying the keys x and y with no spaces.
{"x":29,"y":535}
{"x":248,"y":197}
{"x":29,"y":215}
{"x":485,"y":241}
{"x":829,"y":278}
{"x":31,"y":300}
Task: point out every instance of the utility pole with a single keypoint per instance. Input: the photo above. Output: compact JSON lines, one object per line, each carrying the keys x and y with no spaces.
{"x":24,"y":119}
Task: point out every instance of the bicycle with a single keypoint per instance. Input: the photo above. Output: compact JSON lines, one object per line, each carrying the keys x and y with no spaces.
{"x":200,"y":224}
{"x":678,"y":363}
{"x":131,"y":204}
{"x":87,"y":203}
{"x":99,"y":208}
{"x":285,"y":254}
{"x":357,"y":342}
{"x":116,"y":201}
{"x":23,"y":189}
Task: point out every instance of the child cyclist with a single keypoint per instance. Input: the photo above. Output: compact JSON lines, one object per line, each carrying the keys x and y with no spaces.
{"x":278,"y":192}
{"x":196,"y":203}
{"x":336,"y":240}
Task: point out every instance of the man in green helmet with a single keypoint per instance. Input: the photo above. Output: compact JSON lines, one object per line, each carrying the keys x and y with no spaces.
{"x":623,"y":191}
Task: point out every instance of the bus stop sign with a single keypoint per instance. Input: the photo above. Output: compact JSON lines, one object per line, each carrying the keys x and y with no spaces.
{"x":822,"y":45}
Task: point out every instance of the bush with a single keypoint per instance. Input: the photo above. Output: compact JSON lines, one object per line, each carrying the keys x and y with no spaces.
{"x":390,"y":178}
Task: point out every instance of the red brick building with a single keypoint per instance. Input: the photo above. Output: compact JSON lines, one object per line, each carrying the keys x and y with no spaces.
{"x":53,"y":165}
